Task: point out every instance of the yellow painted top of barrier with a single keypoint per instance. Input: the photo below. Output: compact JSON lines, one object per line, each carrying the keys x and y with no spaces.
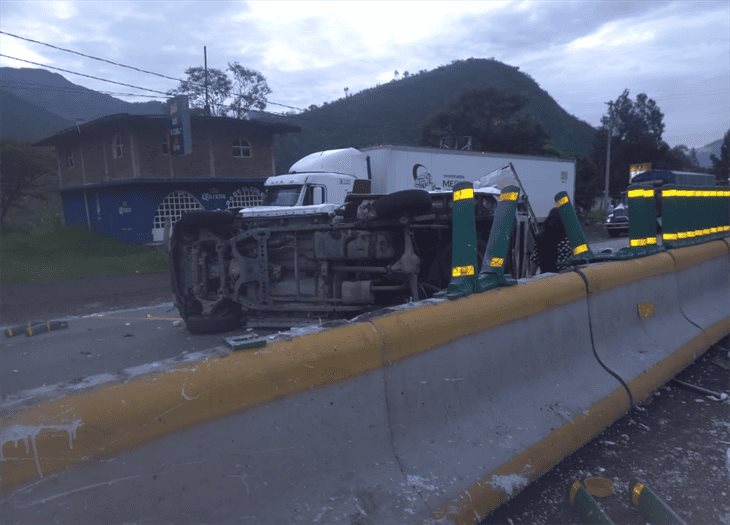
{"x":562,"y":201}
{"x":466,"y":193}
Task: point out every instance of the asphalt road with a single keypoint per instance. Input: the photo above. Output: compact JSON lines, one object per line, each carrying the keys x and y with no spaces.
{"x":106,"y":342}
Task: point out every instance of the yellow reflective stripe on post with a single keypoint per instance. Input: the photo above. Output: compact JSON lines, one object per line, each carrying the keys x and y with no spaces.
{"x":682,"y":235}
{"x":669,"y":236}
{"x":496,"y":262}
{"x":640,"y":193}
{"x":466,"y":193}
{"x":670,"y":193}
{"x":509,"y":196}
{"x":706,"y":231}
{"x":636,"y":493}
{"x":647,"y":241}
{"x":461,"y":271}
{"x":563,"y":200}
{"x":582,"y":248}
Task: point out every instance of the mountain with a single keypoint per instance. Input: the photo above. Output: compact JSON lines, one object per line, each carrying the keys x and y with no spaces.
{"x":22,"y":121}
{"x":703,"y":153}
{"x":394,"y":113}
{"x":55,"y":95}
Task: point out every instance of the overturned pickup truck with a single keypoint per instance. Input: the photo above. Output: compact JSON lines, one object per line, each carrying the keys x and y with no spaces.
{"x":323,"y":246}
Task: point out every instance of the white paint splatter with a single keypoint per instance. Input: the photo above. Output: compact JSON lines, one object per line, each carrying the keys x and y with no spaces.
{"x":186,"y":396}
{"x":28,"y":434}
{"x":509,"y":483}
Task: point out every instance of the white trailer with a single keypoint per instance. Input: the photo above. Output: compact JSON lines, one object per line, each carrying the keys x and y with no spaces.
{"x":394,"y":168}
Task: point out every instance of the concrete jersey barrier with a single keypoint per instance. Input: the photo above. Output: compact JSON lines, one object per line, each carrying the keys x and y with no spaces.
{"x":439,"y":412}
{"x":703,"y":278}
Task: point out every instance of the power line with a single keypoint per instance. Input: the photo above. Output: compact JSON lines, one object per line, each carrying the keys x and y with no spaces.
{"x":9,"y":84}
{"x":91,"y":56}
{"x":134,"y":68}
{"x":83,"y":74}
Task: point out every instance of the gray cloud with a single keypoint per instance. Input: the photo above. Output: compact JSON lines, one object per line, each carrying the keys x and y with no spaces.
{"x":582,"y":53}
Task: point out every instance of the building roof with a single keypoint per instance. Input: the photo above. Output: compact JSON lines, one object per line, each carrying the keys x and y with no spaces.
{"x":113,"y":121}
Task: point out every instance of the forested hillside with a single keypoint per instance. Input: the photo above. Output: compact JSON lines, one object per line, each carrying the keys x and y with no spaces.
{"x":394,"y":113}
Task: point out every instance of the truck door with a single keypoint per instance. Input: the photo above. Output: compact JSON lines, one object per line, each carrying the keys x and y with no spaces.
{"x":315,"y":194}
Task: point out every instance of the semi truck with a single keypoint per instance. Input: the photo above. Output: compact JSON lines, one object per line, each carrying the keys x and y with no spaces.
{"x":347,"y":231}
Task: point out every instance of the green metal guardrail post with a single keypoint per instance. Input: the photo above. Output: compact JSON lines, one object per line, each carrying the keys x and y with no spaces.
{"x":693,"y":221}
{"x":581,"y":251}
{"x":701,"y":212}
{"x":651,"y":506}
{"x":642,"y":220}
{"x":724,"y":228}
{"x":463,"y":242}
{"x":492,"y":274}
{"x":587,"y":507}
{"x":670,"y":216}
{"x":717,"y":207}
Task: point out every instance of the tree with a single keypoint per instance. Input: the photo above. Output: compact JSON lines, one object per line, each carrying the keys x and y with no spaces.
{"x":22,"y":169}
{"x":637,"y":127}
{"x":492,"y":119}
{"x":721,"y":165}
{"x":250,"y":89}
{"x":587,"y":184}
{"x":219,"y":89}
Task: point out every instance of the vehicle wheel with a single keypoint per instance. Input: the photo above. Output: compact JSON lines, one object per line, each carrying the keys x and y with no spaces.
{"x":201,"y":325}
{"x":410,"y":202}
{"x":613,"y":233}
{"x":225,"y":317}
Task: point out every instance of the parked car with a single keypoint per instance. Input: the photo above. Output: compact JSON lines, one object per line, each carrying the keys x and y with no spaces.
{"x":617,"y":221}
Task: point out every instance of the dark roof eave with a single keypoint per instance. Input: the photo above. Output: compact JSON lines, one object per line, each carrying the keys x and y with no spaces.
{"x":272,"y":127}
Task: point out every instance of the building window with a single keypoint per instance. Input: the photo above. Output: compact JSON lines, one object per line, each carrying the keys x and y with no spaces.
{"x":241,"y":149}
{"x":69,"y":159}
{"x":172,"y":207}
{"x":117,"y":147}
{"x":245,"y":197}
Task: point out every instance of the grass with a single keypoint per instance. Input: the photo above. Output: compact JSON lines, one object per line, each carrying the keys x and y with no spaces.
{"x":54,"y":253}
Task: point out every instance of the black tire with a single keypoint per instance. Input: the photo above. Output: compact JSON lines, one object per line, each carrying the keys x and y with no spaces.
{"x":406,"y":202}
{"x":200,"y":325}
{"x":225,"y":316}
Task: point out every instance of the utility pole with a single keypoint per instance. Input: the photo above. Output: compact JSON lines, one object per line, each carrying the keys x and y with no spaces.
{"x":604,"y":207}
{"x":205,"y":62}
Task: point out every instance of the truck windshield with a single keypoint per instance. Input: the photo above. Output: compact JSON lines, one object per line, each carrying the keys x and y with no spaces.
{"x":281,"y":195}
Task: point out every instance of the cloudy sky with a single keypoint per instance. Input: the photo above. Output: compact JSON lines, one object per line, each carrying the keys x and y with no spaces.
{"x":583,"y":53}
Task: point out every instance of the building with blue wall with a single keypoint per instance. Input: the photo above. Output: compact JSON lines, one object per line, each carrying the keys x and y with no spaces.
{"x":117,"y":175}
